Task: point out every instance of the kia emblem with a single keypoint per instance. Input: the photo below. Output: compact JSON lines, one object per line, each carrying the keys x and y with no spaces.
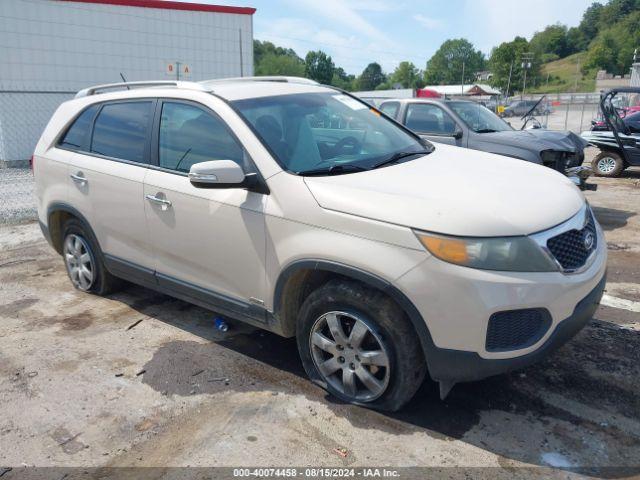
{"x":588,"y":240}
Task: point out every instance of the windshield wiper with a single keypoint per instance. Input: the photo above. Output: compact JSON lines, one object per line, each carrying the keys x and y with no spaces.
{"x":333,"y":170}
{"x":486,"y":130}
{"x":399,"y":156}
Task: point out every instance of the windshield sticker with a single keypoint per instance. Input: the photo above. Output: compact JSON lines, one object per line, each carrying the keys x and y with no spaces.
{"x":352,"y":103}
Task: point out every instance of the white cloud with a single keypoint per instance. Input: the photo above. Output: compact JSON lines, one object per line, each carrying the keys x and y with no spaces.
{"x":337,"y":11}
{"x":373,"y":5}
{"x":428,"y":22}
{"x":348,"y":51}
{"x":497,"y":21}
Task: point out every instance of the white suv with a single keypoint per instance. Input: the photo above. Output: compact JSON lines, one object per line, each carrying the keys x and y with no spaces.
{"x":302,"y":210}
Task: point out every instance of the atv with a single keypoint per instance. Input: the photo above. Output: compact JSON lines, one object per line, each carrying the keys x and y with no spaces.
{"x":620,"y":144}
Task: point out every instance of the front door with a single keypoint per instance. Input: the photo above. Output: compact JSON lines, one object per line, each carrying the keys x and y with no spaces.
{"x":433,"y":123}
{"x":209,"y":244}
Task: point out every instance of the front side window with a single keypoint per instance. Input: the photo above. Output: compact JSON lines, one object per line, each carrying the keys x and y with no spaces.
{"x":390,"y":108}
{"x":427,"y":118}
{"x":120,"y":131}
{"x":325,"y":132}
{"x":478,"y":118}
{"x":78,"y":133}
{"x":190,"y":134}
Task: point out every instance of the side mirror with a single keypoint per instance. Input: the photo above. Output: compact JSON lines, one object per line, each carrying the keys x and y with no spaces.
{"x":225,"y":174}
{"x":216,"y":174}
{"x":457,"y":134}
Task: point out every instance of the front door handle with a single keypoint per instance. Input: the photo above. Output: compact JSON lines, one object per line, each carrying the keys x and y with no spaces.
{"x":158,"y":201}
{"x":78,"y":178}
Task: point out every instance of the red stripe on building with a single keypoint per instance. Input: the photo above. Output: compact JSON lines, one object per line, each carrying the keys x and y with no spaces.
{"x":168,"y":5}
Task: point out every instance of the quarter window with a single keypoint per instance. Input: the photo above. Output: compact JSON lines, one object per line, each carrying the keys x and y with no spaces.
{"x":189,"y":135}
{"x":427,"y":118}
{"x":120,"y":130}
{"x":77,"y":134}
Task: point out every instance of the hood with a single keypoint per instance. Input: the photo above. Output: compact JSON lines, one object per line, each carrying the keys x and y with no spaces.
{"x":536,"y":139}
{"x":455,"y":191}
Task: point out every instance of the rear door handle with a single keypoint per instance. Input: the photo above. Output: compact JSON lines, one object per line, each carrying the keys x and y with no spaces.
{"x":78,"y":178}
{"x":158,"y":201}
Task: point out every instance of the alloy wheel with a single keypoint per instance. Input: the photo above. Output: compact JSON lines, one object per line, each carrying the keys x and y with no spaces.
{"x":350,"y":356}
{"x":606,"y":164}
{"x":79,"y":262}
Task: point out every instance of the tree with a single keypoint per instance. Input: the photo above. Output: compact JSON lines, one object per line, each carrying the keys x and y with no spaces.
{"x":371,"y":77}
{"x":551,"y":40}
{"x":446,"y":65}
{"x":590,"y":23}
{"x":407,"y":75}
{"x":507,"y":57}
{"x":262,"y":49}
{"x":272,"y":64}
{"x":612,"y":50}
{"x":319,"y":67}
{"x":342,"y":79}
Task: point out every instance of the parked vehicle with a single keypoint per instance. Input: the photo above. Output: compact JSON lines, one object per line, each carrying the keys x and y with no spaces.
{"x":519,"y":108}
{"x":632,"y":122}
{"x":466,"y":124}
{"x":357,"y":237}
{"x":620,"y":144}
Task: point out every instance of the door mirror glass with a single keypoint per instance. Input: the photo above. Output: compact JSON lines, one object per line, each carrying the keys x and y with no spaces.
{"x":217,"y":174}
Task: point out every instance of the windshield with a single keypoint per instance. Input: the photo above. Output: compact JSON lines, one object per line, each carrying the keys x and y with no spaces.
{"x":479,"y":118}
{"x":327,"y":133}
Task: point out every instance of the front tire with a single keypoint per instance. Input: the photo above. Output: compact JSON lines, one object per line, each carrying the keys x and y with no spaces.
{"x":84,"y":261}
{"x":356,"y":343}
{"x":608,"y":164}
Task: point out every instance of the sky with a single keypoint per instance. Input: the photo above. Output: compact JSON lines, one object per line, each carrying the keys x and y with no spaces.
{"x":357,"y":32}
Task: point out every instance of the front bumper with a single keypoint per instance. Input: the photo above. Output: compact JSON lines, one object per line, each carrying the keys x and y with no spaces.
{"x":457,"y":304}
{"x":446,"y":365}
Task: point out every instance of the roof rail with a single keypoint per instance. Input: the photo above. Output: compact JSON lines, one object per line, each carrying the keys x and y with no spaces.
{"x":266,"y":78}
{"x":86,"y":92}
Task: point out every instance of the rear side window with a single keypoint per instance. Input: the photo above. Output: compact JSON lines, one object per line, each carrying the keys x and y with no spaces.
{"x":77,"y":135}
{"x":120,"y":131}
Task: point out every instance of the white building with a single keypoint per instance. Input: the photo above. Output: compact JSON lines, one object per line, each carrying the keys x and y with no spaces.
{"x":53,"y":48}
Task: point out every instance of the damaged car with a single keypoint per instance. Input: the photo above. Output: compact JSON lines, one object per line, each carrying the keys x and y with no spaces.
{"x":470,"y":125}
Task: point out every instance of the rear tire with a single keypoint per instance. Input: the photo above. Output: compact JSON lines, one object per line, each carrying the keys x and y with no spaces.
{"x":84,"y":260}
{"x":357,"y":344}
{"x":608,"y":164}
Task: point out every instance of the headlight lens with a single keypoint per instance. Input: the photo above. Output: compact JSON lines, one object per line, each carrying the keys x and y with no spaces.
{"x":511,"y":254}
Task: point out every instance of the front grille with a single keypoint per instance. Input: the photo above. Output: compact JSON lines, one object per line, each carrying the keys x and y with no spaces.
{"x":516,"y":329}
{"x":572,"y":248}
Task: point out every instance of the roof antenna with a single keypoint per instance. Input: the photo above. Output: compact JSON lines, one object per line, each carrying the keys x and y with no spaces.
{"x":124,"y":80}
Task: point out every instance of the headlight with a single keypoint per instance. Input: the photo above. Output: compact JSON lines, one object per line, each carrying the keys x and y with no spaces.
{"x":511,"y":254}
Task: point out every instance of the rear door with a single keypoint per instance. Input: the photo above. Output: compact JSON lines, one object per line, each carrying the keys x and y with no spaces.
{"x":106,"y":180}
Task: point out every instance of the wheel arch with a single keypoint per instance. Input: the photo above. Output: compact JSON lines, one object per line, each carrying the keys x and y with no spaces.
{"x":57,"y":215}
{"x":299,"y":278}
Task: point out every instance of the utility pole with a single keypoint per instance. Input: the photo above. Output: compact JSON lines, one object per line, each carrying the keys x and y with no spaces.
{"x":240,"y":44}
{"x":462,"y":92}
{"x":509,"y":81}
{"x":575,"y":85}
{"x":178,"y":71}
{"x":527,"y":59}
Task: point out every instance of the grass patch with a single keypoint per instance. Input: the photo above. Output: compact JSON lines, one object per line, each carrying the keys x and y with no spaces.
{"x":562,"y":76}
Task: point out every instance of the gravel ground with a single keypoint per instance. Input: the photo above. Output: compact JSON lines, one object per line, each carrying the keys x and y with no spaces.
{"x":81,"y":386}
{"x":17,"y":202}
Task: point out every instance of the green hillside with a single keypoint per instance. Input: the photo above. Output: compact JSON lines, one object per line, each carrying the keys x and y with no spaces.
{"x":562,"y":76}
